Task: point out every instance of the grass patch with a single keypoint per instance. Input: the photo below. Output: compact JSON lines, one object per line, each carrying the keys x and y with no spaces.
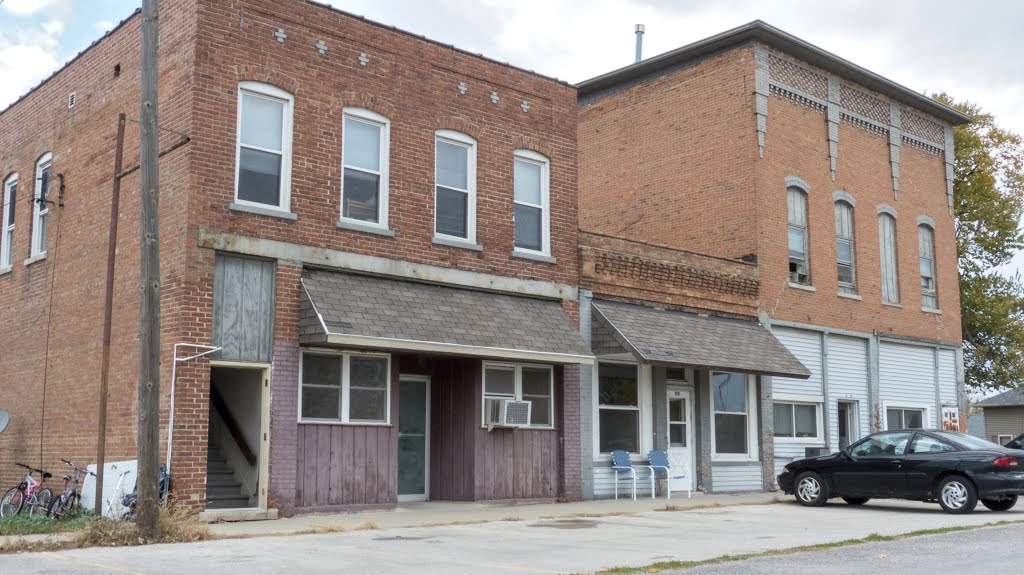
{"x":40,"y":524}
{"x":872,"y":538}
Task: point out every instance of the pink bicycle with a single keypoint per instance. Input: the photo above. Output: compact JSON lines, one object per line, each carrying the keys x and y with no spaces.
{"x":29,"y":492}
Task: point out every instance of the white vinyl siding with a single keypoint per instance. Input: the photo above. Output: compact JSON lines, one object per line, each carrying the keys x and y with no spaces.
{"x":848,"y":381}
{"x":906,"y":378}
{"x":887,"y":243}
{"x":799,"y":267}
{"x":806,"y":346}
{"x":947,"y":377}
{"x":725,"y":478}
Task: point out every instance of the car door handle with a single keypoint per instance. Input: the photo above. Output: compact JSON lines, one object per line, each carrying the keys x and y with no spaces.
{"x":896,"y":463}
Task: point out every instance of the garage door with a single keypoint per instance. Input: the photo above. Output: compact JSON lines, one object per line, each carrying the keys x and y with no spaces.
{"x":906,"y":378}
{"x":848,"y":382}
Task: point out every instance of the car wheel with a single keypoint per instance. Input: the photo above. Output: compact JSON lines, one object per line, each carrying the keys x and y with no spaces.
{"x":957,"y":494}
{"x":811,"y":489}
{"x":856,"y":500}
{"x":1003,"y":504}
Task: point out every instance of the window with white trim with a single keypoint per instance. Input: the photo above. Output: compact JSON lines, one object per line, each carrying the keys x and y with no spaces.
{"x":532,"y":213}
{"x":887,"y":244}
{"x":1002,"y":439}
{"x":364,"y":187}
{"x":795,"y":420}
{"x":903,"y":418}
{"x":618,"y":406}
{"x":733,"y":425}
{"x":799,"y":269}
{"x":455,"y":186}
{"x":514,"y":382}
{"x":264,"y":154}
{"x":7,"y":221}
{"x":847,"y":272}
{"x":41,"y":205}
{"x":345,"y":387}
{"x":926,"y":248}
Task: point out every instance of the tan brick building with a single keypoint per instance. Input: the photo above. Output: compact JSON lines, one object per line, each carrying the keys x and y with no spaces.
{"x":319,"y":164}
{"x":827,"y":185}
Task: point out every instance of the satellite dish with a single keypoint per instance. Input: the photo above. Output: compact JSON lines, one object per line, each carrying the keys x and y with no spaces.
{"x":5,"y":418}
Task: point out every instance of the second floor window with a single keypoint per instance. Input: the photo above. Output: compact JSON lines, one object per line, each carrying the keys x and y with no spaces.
{"x":455,"y":185}
{"x":847,"y":274}
{"x":364,"y":186}
{"x":926,"y":247}
{"x":7,"y":221}
{"x":41,"y":205}
{"x":887,"y":243}
{"x":264,"y":146}
{"x":799,"y":270}
{"x":531,"y":202}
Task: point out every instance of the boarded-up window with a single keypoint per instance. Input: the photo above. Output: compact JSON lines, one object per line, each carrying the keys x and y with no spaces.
{"x":847,"y":274}
{"x":243,"y":308}
{"x":926,"y":248}
{"x":887,"y":242}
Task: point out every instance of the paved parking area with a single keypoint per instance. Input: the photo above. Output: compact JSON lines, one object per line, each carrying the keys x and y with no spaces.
{"x":566,"y":545}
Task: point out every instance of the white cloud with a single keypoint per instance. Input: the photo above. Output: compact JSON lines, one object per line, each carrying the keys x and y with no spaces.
{"x":27,"y":58}
{"x":26,"y":7}
{"x":104,"y":26}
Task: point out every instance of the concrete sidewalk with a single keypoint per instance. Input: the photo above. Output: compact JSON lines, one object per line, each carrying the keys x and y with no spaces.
{"x":438,"y":513}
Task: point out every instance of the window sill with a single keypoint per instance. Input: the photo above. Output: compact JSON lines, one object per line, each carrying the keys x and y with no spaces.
{"x":809,"y":441}
{"x":803,"y":287}
{"x":852,"y":296}
{"x":456,"y":243}
{"x":533,"y":257}
{"x":6,"y":270}
{"x":931,"y":310}
{"x":347,"y":424}
{"x":524,"y":427}
{"x":719,"y":460}
{"x":261,"y":211}
{"x":890,"y":304}
{"x":36,"y":258}
{"x":356,"y":226}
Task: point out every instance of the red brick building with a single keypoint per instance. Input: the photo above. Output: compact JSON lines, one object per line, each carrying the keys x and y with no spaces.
{"x":375,"y":232}
{"x":834,"y":186}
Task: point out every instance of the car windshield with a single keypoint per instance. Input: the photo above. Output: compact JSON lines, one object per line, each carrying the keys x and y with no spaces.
{"x":968,"y":441}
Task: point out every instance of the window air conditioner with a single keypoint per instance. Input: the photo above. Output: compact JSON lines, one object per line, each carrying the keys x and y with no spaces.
{"x":515,"y":413}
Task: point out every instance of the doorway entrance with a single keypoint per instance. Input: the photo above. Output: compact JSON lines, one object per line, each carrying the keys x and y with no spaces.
{"x":847,"y":419}
{"x":680,"y":437}
{"x":238,"y":441}
{"x":413,"y":438}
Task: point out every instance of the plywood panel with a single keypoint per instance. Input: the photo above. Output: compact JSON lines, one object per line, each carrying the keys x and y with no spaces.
{"x":243,"y":307}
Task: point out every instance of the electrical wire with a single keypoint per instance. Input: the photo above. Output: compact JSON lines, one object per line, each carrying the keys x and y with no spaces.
{"x":49,"y":323}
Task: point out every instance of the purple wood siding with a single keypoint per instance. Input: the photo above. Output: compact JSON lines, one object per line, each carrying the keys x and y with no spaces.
{"x":517,"y":464}
{"x":454,"y":398}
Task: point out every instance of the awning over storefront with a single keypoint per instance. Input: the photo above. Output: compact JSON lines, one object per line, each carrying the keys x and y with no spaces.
{"x":373,"y":312}
{"x":670,"y":337}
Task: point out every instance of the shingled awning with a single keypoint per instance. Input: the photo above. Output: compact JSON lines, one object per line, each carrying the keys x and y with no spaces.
{"x":373,"y":312}
{"x":670,"y":337}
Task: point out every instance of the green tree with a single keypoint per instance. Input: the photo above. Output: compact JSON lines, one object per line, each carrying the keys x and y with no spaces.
{"x":988,"y":200}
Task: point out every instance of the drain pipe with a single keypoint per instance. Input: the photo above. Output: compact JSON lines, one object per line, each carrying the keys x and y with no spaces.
{"x":174,"y":378}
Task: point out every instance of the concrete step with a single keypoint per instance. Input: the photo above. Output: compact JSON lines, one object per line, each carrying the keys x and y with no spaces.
{"x":222,"y":491}
{"x":228,"y":503}
{"x":217,"y":479}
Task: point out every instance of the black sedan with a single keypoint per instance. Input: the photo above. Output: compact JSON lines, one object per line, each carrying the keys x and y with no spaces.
{"x":954,"y":469}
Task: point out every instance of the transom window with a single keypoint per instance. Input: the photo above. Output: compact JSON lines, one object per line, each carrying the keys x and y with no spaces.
{"x":887,"y":243}
{"x":847,"y":274}
{"x":926,"y":247}
{"x":531,"y":202}
{"x":345,"y":388}
{"x":901,"y":418}
{"x":533,"y":383}
{"x":264,"y":146}
{"x":364,"y":187}
{"x":618,"y":404}
{"x":41,"y":207}
{"x":799,"y":270}
{"x":796,"y":420}
{"x":10,"y":193}
{"x":732,"y":395}
{"x":455,"y":185}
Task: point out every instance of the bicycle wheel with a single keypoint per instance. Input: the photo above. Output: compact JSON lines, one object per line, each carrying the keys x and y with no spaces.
{"x":12,"y":502}
{"x":41,"y":501}
{"x":56,"y":507}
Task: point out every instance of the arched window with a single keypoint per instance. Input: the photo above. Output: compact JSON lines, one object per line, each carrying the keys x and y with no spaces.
{"x":799,"y":268}
{"x":887,"y":244}
{"x":454,"y":186}
{"x":10,"y":192}
{"x":264,"y":147}
{"x":845,"y":253}
{"x":41,"y":207}
{"x":532,"y":214}
{"x":926,"y":249}
{"x":365,"y":145}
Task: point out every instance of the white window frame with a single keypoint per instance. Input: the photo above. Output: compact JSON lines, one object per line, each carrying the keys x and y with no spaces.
{"x":806,"y":233}
{"x":934,"y":291}
{"x":39,"y":209}
{"x":7,"y":232}
{"x":459,"y":139}
{"x":545,"y":198}
{"x":926,"y":420}
{"x":384,"y":124}
{"x":269,"y":92}
{"x":1000,"y":439}
{"x":851,"y":287}
{"x":518,"y":370}
{"x":752,"y":412}
{"x":644,"y":407}
{"x":817,"y":402}
{"x":344,"y":405}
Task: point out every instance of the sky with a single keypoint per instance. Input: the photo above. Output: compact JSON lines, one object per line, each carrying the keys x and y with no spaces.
{"x":972,"y":50}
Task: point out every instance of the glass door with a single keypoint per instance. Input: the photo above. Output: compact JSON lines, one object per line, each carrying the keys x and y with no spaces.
{"x":680,"y":437}
{"x":413,"y":438}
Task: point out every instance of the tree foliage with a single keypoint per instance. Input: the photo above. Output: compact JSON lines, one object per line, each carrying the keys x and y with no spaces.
{"x":988,"y":200}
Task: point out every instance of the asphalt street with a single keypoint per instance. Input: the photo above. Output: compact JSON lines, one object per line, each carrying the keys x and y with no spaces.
{"x":572,"y":545}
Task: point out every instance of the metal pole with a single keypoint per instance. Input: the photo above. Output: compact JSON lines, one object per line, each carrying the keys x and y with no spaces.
{"x":108,"y":310}
{"x":639,"y":41}
{"x":148,"y":519}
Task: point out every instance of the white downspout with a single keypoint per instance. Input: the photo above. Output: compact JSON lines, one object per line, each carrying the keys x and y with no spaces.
{"x":174,"y":378}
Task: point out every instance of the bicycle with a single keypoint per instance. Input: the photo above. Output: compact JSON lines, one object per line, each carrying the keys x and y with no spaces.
{"x":70,"y":497}
{"x":29,"y":492}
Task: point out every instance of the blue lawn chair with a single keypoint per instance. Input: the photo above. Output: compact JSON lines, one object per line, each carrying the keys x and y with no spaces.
{"x":622,"y":464}
{"x":659,"y":461}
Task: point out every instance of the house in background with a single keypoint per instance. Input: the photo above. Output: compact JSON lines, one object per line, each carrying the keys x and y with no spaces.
{"x":828,"y":190}
{"x":1004,"y":415}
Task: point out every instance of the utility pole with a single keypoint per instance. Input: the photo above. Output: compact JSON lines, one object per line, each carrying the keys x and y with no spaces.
{"x":108,"y":310}
{"x":148,"y":518}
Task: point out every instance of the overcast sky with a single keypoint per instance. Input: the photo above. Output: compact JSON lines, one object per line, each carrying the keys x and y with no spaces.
{"x":973,"y":50}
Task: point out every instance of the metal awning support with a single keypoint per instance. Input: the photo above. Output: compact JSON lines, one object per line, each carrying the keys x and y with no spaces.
{"x":208,"y":349}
